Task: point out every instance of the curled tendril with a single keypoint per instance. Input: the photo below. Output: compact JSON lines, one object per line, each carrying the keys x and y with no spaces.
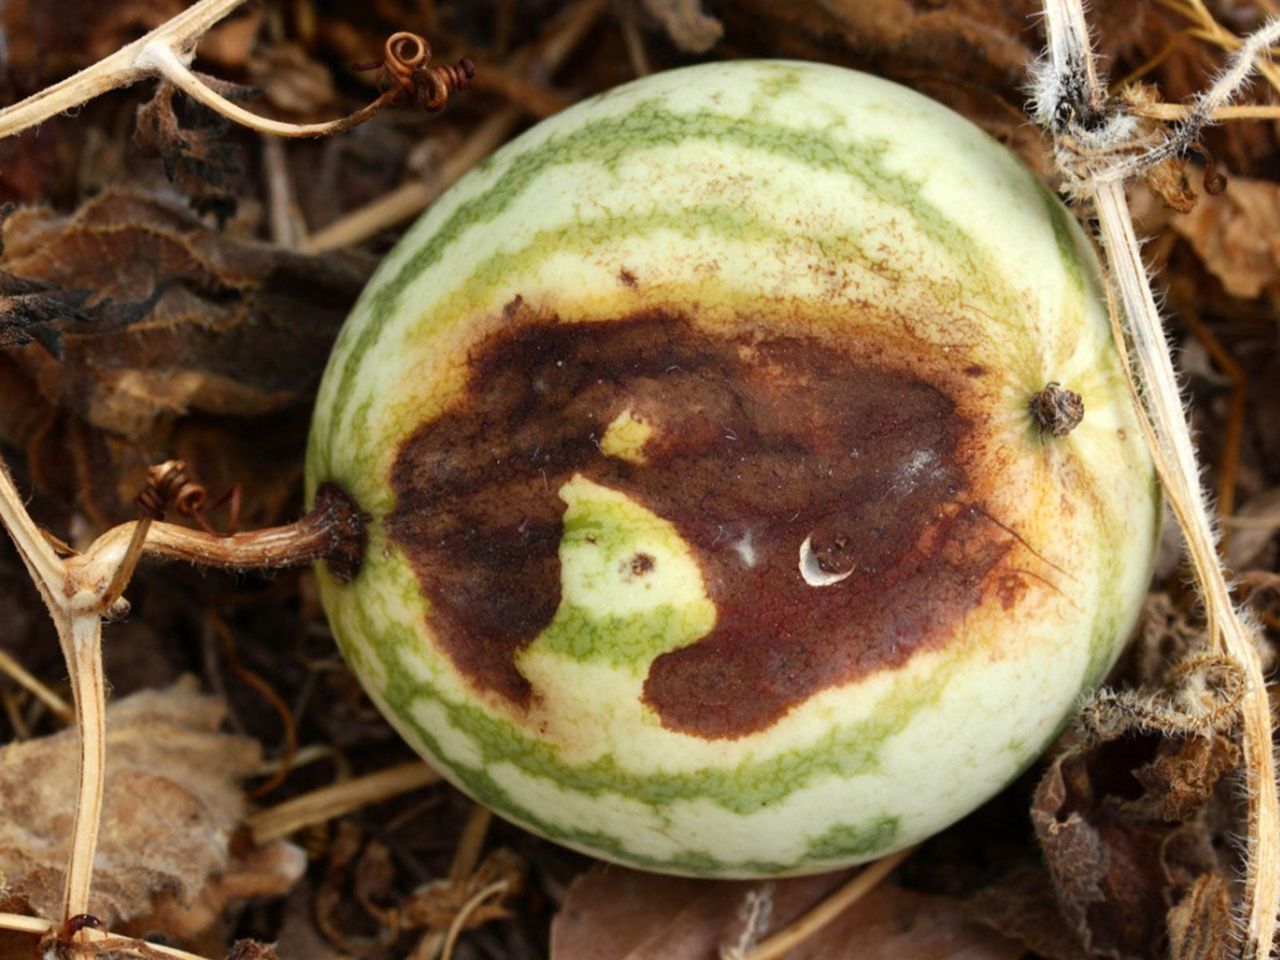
{"x":405,"y":63}
{"x":1215,"y":182}
{"x":170,"y":485}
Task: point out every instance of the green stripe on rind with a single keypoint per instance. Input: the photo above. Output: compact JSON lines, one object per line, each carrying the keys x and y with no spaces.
{"x":844,"y":752}
{"x":378,"y":641}
{"x":746,"y":790}
{"x":606,"y":142}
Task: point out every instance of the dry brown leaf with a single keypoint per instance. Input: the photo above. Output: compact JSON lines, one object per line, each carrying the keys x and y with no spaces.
{"x":172,"y":799}
{"x":199,"y":158}
{"x":1022,"y":906}
{"x":690,"y":29}
{"x":1199,"y":926}
{"x":269,"y":871}
{"x":1237,"y":235}
{"x":627,"y":915}
{"x":1120,"y":826}
{"x":141,"y":317}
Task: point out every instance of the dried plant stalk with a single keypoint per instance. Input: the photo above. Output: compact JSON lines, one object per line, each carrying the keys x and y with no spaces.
{"x":1091,"y":134}
{"x":81,"y":591}
{"x":98,"y":940}
{"x":167,"y":51}
{"x":127,"y":65}
{"x":808,"y":924}
{"x":79,"y":625}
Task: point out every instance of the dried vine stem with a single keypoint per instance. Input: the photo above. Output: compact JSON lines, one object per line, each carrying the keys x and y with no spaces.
{"x":79,"y":626}
{"x":81,"y":591}
{"x":127,"y":65}
{"x":808,"y":924}
{"x":412,"y":197}
{"x":1098,"y":145}
{"x":97,"y":940}
{"x":167,"y":51}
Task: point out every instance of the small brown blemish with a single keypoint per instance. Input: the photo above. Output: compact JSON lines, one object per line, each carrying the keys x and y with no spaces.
{"x":513,"y":307}
{"x":627,"y":278}
{"x":641,"y":564}
{"x":1056,"y":410}
{"x":481,"y":520}
{"x":975,"y":370}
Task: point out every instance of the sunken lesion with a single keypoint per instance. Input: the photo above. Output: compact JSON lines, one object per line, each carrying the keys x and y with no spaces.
{"x":752,"y":445}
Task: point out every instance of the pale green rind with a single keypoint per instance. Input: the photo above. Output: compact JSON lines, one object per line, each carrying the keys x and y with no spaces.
{"x":854,"y":772}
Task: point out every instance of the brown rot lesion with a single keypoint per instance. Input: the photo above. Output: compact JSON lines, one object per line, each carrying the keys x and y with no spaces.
{"x":784,"y":465}
{"x":1056,"y":410}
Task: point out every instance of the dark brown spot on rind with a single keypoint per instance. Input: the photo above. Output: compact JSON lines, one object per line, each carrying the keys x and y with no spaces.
{"x":627,"y":278}
{"x":1057,"y":411}
{"x":641,"y":564}
{"x":757,"y":444}
{"x":344,"y":524}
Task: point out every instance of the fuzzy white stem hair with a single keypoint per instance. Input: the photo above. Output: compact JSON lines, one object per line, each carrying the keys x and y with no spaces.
{"x":1088,"y":132}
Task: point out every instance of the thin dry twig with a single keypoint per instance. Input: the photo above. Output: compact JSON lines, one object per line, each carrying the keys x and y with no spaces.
{"x":19,"y":673}
{"x":1090,"y":132}
{"x":829,"y":909}
{"x":167,"y":51}
{"x":410,"y":199}
{"x":326,"y":803}
{"x":99,"y":939}
{"x":494,"y":889}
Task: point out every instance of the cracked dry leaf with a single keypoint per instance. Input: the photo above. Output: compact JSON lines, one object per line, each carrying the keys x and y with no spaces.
{"x":150,"y":335}
{"x":1237,"y":235}
{"x":1122,"y":828}
{"x":269,"y":871}
{"x":193,"y":145}
{"x":628,"y":915}
{"x":172,"y":800}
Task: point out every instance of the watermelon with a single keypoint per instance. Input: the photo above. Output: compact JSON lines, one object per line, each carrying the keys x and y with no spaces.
{"x":711,"y":525}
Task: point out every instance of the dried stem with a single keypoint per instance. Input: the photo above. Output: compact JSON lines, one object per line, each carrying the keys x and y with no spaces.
{"x":167,"y":51}
{"x":1180,"y":111}
{"x":324,"y":804}
{"x":333,"y":531}
{"x":81,"y":590}
{"x":410,"y":199}
{"x":1073,"y":103}
{"x":82,"y":646}
{"x":160,"y":59}
{"x":99,"y":939}
{"x":79,"y":627}
{"x":127,"y":65}
{"x":824,"y":913}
